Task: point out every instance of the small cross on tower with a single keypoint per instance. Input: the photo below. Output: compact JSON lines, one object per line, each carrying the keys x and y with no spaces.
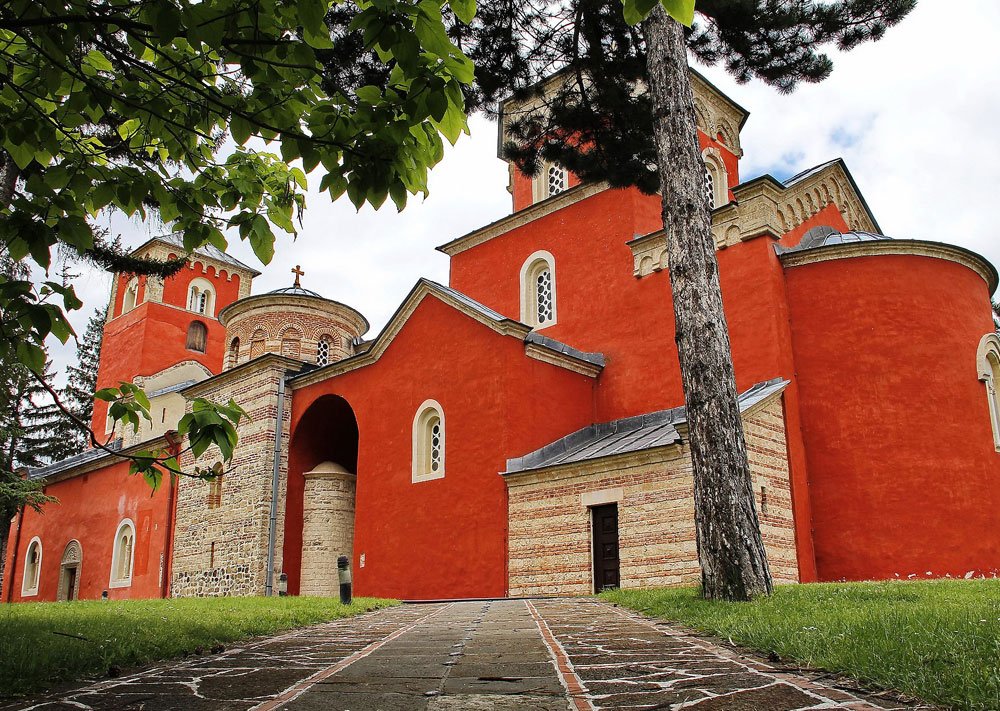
{"x":298,"y":273}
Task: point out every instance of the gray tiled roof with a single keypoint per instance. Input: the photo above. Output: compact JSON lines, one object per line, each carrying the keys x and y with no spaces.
{"x":206,"y":250}
{"x":827,"y":236}
{"x":631,"y":434}
{"x":177,"y":387}
{"x":467,"y":300}
{"x":809,"y":171}
{"x":76,"y":460}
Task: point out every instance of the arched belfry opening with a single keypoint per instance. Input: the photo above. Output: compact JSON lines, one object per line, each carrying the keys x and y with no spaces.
{"x":324,"y":463}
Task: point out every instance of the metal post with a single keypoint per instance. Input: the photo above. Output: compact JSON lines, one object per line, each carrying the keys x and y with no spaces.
{"x":344,"y":574}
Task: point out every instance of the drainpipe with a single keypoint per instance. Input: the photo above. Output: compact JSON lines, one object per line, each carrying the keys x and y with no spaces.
{"x":275,"y":486}
{"x":168,"y":539}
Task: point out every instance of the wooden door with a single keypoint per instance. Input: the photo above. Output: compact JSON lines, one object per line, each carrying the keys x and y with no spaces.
{"x":605,"y":537}
{"x":71,"y":583}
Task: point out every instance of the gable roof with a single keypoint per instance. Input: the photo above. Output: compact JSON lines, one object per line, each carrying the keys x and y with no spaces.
{"x":536,"y":346}
{"x":631,"y":434}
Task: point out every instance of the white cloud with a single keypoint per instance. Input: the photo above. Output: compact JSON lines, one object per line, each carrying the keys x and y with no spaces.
{"x":913,"y":117}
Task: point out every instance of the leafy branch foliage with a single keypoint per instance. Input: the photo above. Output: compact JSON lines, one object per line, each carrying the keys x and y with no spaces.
{"x":127,"y":106}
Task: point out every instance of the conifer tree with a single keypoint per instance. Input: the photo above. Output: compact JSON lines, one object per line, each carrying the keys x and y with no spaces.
{"x":78,"y":395}
{"x":625,"y":97}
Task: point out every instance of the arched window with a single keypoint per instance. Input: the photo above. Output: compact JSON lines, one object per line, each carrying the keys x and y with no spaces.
{"x":201,"y":297}
{"x":123,"y":555}
{"x":538,"y":290}
{"x":32,"y":568}
{"x":197,"y":337}
{"x":291,"y":343}
{"x":131,"y":297}
{"x":258,"y":343}
{"x":716,"y":178}
{"x":428,"y":442}
{"x":215,"y":493}
{"x":550,"y":180}
{"x":323,"y":350}
{"x":234,"y":352}
{"x":988,"y":362}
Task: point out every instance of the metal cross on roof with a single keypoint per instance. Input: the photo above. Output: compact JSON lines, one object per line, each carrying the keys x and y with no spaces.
{"x":298,"y":273}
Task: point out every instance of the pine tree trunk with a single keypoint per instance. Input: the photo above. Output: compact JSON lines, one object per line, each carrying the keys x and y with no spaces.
{"x":4,"y":535}
{"x":730,"y":550}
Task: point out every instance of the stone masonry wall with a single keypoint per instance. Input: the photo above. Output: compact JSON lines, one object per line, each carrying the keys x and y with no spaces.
{"x":223,"y":550}
{"x":327,"y":531}
{"x":550,"y":520}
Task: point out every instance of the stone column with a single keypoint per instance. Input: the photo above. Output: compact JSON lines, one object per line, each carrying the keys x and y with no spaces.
{"x":327,"y":527}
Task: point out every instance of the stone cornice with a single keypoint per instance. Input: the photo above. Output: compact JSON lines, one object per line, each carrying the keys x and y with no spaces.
{"x":522,"y":217}
{"x":424,"y":288}
{"x":547,"y":355}
{"x":764,"y":207}
{"x":889,"y":247}
{"x":241,"y":372}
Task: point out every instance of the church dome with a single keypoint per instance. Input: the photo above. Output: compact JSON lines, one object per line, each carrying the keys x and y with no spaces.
{"x":294,"y":322}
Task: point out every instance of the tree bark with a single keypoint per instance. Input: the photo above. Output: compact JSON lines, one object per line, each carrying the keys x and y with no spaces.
{"x":730,"y":549}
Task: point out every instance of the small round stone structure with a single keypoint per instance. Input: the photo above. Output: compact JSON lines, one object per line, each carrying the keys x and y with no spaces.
{"x":294,"y":322}
{"x":327,"y":527}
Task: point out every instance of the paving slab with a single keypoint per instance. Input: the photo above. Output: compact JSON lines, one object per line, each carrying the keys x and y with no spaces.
{"x":501,"y":655}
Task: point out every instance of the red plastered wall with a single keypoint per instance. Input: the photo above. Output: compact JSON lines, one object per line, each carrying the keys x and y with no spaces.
{"x":118,"y":496}
{"x":446,"y":537}
{"x":904,"y":476}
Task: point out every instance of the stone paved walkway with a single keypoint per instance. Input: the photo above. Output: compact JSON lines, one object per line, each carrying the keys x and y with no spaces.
{"x":505,"y":655}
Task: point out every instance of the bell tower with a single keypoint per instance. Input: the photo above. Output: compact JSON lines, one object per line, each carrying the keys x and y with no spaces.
{"x":153,"y":324}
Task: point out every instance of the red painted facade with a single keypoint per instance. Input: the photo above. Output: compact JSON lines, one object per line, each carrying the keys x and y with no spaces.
{"x":89,"y":510}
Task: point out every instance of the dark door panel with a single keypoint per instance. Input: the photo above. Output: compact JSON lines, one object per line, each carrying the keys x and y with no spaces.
{"x":605,"y":537}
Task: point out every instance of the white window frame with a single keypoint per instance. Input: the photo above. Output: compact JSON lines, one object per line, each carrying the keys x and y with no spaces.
{"x":529,"y":289}
{"x":201,"y":297}
{"x":428,"y":410}
{"x":716,"y":167}
{"x":988,"y":365}
{"x":131,"y":298}
{"x":116,"y":582}
{"x":26,"y":589}
{"x":540,"y":183}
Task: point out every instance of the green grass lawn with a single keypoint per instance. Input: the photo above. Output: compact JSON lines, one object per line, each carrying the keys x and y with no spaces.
{"x":46,"y":643}
{"x":939,"y":640}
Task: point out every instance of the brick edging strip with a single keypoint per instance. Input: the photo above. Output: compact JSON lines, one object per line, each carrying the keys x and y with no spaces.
{"x":296,"y":690}
{"x":567,"y":674}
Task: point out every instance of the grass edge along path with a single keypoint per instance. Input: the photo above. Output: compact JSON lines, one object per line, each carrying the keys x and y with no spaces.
{"x":938,"y":640}
{"x":44,"y":644}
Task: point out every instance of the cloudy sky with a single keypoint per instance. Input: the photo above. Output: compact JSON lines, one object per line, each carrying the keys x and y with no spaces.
{"x":915,"y":116}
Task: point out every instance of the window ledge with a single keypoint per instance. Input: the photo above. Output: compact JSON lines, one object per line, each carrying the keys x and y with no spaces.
{"x":120,"y":583}
{"x":417,"y":478}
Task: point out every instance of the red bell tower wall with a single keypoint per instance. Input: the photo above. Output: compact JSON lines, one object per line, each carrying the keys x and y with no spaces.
{"x":153,"y":334}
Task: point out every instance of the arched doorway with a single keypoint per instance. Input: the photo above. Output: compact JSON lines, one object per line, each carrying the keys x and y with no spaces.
{"x":323,"y":461}
{"x":69,"y":571}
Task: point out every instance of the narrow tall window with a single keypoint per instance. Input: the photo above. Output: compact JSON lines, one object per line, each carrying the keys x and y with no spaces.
{"x":709,"y":188}
{"x":557,"y":179}
{"x":323,"y":350}
{"x":201,"y":297}
{"x":258,"y":344}
{"x":988,"y":363}
{"x":215,"y":493}
{"x":123,"y":555}
{"x":197,"y":337}
{"x":234,"y":352}
{"x":428,"y":442}
{"x":32,"y":568}
{"x":716,"y":179}
{"x":538,"y":290}
{"x":131,"y":297}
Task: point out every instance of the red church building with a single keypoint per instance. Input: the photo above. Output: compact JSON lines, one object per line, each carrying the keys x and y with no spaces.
{"x":521,"y":431}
